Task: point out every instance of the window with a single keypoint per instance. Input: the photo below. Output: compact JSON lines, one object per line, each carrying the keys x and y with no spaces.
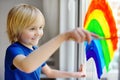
{"x":91,"y":69}
{"x":72,"y":13}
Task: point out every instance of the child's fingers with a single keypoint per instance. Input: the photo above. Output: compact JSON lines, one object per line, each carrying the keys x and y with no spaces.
{"x":81,"y":68}
{"x":87,"y":36}
{"x":94,"y":35}
{"x":80,"y":35}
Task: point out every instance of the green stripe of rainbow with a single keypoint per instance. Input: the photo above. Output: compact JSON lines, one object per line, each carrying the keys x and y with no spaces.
{"x":99,"y":20}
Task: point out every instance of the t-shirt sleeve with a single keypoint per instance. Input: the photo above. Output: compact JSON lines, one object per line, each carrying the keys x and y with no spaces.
{"x":44,"y":64}
{"x":12,"y":52}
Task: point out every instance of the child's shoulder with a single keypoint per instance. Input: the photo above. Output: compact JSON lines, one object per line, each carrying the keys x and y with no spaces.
{"x":13,"y":45}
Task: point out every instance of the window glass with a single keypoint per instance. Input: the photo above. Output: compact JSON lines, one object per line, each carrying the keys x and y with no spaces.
{"x":91,"y":68}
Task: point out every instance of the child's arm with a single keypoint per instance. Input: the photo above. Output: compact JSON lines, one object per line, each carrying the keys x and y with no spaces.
{"x":52,"y":73}
{"x":36,"y":58}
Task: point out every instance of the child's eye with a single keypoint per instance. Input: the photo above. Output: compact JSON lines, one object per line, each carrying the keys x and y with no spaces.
{"x":32,"y":28}
{"x":41,"y":27}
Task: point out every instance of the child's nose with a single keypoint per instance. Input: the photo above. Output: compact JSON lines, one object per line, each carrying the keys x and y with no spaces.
{"x":37,"y":33}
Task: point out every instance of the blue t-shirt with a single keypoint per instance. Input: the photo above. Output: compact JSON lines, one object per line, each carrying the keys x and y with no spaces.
{"x":11,"y":72}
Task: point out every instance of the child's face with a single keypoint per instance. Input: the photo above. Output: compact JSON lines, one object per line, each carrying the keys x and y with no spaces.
{"x":31,"y":35}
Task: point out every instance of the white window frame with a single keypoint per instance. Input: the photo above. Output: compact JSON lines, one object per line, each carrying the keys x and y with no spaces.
{"x":67,"y":49}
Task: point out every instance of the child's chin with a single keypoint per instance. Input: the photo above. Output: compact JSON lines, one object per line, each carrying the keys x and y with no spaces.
{"x":35,"y":44}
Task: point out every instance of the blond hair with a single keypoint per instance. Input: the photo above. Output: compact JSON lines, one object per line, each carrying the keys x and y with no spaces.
{"x":20,"y":17}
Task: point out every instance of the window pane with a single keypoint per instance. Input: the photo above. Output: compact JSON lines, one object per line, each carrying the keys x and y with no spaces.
{"x":90,"y":64}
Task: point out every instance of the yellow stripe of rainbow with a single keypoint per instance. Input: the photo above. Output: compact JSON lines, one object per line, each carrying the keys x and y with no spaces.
{"x":99,"y":16}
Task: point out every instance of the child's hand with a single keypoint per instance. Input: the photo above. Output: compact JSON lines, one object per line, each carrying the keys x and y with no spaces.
{"x":82,"y":71}
{"x":80,"y":35}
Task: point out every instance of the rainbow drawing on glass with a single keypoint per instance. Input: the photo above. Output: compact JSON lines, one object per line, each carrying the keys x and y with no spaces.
{"x":99,"y":20}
